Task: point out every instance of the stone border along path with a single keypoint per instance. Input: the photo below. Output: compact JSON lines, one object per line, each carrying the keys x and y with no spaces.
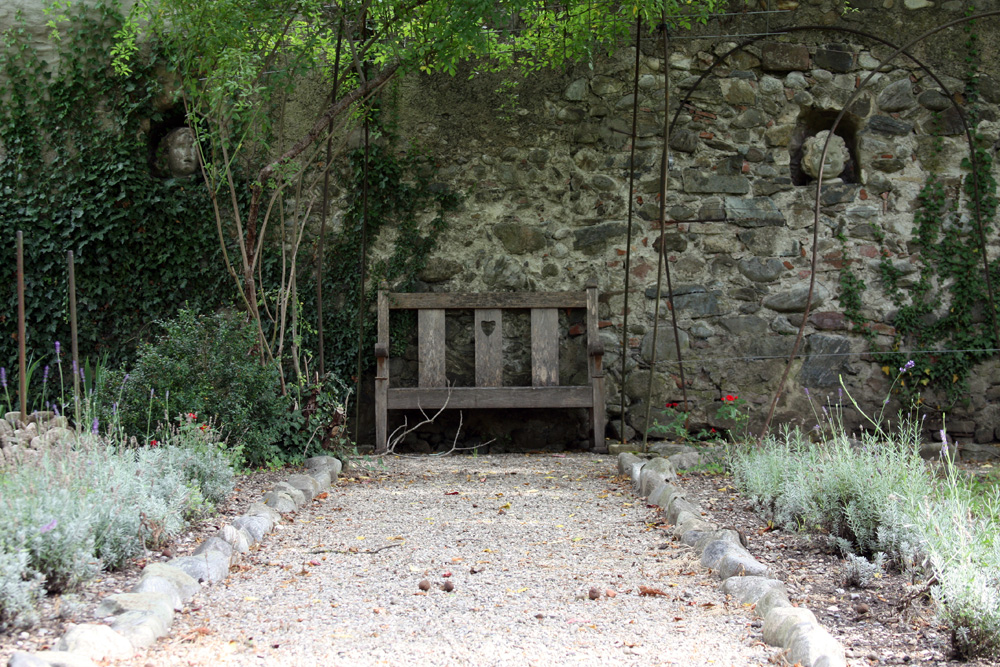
{"x":792,"y":628}
{"x":140,"y":617}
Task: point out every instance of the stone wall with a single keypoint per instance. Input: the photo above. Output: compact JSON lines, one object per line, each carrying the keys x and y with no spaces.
{"x":546,"y":203}
{"x":545,"y":180}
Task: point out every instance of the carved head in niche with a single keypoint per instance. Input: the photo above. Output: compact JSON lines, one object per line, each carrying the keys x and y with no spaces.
{"x":177,"y":153}
{"x":836,"y":156}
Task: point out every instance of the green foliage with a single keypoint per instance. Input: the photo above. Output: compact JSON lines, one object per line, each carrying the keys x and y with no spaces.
{"x":204,"y":365}
{"x":731,"y":413}
{"x":404,"y":202}
{"x":317,"y":422}
{"x":75,"y":175}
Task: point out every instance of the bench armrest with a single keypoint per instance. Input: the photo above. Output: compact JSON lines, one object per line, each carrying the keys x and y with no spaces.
{"x":381,"y":350}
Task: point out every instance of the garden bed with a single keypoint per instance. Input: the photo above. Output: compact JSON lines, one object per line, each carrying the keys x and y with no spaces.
{"x":889,"y":622}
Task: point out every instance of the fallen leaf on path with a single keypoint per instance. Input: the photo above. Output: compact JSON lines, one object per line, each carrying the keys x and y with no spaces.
{"x":451,"y":493}
{"x":648,"y":590}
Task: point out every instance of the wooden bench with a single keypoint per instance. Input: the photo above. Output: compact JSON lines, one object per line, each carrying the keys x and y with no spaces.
{"x":433,"y":391}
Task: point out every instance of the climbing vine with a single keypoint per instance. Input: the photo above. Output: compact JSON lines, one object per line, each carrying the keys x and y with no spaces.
{"x":944,"y":308}
{"x":76,"y":174}
{"x":403,"y":200}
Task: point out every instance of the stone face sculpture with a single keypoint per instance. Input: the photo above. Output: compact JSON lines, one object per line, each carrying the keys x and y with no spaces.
{"x":178,"y":155}
{"x":836,"y":156}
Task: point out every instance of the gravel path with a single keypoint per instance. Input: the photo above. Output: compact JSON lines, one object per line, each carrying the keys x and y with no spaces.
{"x":522,"y":540}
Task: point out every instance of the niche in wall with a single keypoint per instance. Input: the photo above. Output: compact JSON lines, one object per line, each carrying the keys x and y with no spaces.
{"x":811,"y":122}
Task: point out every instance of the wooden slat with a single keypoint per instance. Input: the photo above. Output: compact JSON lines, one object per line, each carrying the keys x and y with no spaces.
{"x":488,"y":324}
{"x":544,"y":347}
{"x":503,"y":300}
{"x":430,"y":348}
{"x":383,"y":318}
{"x":491,"y":397}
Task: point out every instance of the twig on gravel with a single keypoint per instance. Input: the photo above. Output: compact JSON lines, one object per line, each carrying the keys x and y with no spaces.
{"x":401,"y":432}
{"x":905,"y":601}
{"x":356,"y":551}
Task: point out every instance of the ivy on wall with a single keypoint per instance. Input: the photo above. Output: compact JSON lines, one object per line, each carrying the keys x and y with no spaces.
{"x":945,"y":308}
{"x":76,"y":174}
{"x":402,"y":197}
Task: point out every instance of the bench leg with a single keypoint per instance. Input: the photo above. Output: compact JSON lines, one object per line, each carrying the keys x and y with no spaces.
{"x":597,"y":415}
{"x":381,"y":408}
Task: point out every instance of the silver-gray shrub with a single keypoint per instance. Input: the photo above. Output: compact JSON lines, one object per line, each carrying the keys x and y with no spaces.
{"x":76,"y":510}
{"x":860,"y":572}
{"x":855,"y":490}
{"x":140,"y":502}
{"x":47,"y":512}
{"x":19,"y":591}
{"x":961,"y":539}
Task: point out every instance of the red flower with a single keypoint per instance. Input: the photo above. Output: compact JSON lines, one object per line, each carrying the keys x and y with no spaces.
{"x":203,"y":427}
{"x":712,"y":431}
{"x":154,"y":443}
{"x":192,"y":415}
{"x":730,"y":398}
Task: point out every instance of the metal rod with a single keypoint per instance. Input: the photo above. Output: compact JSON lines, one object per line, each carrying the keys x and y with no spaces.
{"x":858,"y":90}
{"x":899,"y":50}
{"x":22,"y":360}
{"x":74,"y":346}
{"x":628,"y":241}
{"x":660,"y":262}
{"x":361,"y":285}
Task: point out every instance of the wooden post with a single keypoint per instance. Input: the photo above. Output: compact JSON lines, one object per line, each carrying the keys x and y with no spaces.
{"x":595,"y":355}
{"x":382,"y":370}
{"x":21,"y":353}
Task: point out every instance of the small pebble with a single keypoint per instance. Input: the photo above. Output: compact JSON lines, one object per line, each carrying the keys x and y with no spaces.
{"x":448,"y":586}
{"x":424,"y":585}
{"x":594,"y":593}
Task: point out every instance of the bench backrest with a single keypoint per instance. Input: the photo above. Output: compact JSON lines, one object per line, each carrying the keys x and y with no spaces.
{"x":488,"y":327}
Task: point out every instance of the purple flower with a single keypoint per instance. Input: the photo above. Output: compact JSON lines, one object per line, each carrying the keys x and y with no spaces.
{"x":93,"y":427}
{"x":944,"y":437}
{"x":806,"y":389}
{"x":3,"y":376}
{"x":907,"y":366}
{"x":48,"y":527}
{"x":74,"y":367}
{"x":944,"y":450}
{"x":151,"y":392}
{"x":57,"y":348}
{"x":45,"y":374}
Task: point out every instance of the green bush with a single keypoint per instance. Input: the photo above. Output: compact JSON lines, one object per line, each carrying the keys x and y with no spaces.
{"x":205,"y":365}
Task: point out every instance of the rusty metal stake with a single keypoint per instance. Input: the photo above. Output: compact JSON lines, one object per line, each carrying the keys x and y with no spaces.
{"x":21,"y":358}
{"x":72,"y":334}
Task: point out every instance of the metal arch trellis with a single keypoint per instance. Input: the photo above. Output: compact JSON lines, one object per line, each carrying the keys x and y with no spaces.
{"x":812,"y":277}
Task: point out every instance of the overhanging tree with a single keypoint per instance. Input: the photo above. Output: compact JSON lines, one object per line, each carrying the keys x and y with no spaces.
{"x":235,"y":61}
